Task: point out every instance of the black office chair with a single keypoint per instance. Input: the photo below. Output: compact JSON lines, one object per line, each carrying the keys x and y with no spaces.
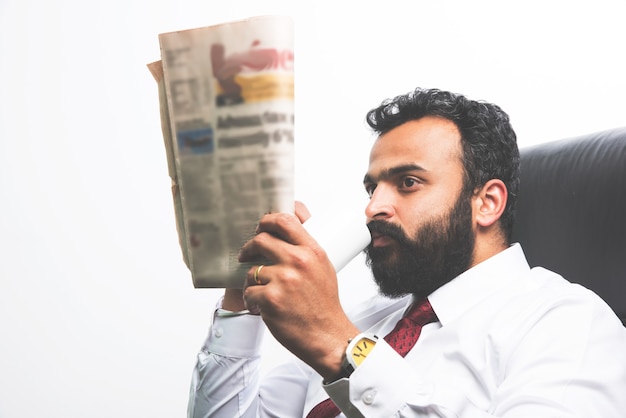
{"x":571,"y":211}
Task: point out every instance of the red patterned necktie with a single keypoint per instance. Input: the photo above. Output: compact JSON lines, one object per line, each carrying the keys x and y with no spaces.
{"x":402,"y":338}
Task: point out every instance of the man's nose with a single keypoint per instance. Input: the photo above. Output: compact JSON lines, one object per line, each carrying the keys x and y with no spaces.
{"x":381,"y":204}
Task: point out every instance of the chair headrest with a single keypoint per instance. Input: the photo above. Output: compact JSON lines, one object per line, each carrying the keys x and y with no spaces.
{"x":571,"y":211}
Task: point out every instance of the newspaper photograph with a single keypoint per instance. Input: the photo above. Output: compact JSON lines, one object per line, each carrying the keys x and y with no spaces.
{"x":226,"y":97}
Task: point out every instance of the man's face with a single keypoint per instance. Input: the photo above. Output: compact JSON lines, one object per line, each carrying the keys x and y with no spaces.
{"x":419,"y":215}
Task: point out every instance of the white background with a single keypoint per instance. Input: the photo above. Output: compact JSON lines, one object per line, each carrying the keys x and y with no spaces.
{"x":98,"y":316}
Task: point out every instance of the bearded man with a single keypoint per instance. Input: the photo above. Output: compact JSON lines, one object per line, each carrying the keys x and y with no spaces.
{"x":463,"y":327}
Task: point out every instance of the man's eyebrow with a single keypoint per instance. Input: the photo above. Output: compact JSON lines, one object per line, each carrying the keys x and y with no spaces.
{"x":393,"y":171}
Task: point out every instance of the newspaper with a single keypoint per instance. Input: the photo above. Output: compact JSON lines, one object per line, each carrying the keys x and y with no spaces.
{"x":227,"y":114}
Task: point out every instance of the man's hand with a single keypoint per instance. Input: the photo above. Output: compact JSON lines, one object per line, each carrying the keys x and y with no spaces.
{"x":296,"y":291}
{"x":233,"y":298}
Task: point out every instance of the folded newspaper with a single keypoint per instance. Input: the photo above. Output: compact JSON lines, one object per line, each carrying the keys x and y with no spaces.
{"x":226,"y":94}
{"x":227,"y":115}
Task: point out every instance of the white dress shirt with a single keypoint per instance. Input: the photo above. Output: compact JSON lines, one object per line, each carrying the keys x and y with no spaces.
{"x":511,"y":341}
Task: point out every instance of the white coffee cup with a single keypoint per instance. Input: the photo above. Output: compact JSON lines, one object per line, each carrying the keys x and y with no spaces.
{"x":343,"y":238}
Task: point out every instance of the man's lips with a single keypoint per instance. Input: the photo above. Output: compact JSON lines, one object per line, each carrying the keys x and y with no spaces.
{"x":381,"y":240}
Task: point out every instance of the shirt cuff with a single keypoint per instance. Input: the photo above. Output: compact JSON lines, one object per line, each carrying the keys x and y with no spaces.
{"x":380,"y":386}
{"x":236,"y":336}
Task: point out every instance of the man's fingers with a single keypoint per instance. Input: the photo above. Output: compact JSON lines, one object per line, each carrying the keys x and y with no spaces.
{"x":275,"y":233}
{"x":262,"y":247}
{"x":286,"y":226}
{"x":258,"y":275}
{"x":253,"y":292}
{"x":302,"y":212}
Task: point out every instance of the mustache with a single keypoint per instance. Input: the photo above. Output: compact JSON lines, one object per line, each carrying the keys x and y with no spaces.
{"x":388,"y":229}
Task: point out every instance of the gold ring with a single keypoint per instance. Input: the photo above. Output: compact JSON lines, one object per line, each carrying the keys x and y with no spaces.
{"x":256,"y":274}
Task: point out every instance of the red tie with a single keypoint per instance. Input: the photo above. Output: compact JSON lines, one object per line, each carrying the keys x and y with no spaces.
{"x":402,"y":338}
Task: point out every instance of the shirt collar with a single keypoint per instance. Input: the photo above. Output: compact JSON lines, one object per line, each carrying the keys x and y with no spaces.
{"x":466,"y":290}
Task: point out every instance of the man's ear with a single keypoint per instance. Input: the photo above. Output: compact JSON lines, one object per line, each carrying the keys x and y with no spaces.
{"x":489,"y":202}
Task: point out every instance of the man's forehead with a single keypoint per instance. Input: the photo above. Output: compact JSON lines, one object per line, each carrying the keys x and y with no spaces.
{"x":428,"y":137}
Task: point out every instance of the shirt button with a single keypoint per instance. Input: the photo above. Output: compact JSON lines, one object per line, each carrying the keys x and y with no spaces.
{"x":368,"y":397}
{"x":218,"y":332}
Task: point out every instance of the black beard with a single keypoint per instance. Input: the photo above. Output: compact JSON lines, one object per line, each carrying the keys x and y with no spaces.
{"x":441,"y":250}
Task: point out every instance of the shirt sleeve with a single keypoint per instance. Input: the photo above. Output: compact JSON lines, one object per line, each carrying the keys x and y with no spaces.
{"x":227,"y":379}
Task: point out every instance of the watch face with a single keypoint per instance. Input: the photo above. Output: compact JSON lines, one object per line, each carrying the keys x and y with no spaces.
{"x":361,"y":349}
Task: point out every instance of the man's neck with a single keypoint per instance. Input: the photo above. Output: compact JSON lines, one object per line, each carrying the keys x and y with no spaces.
{"x":487,"y":246}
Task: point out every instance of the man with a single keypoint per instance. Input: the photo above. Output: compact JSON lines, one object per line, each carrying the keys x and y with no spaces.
{"x":504,"y":340}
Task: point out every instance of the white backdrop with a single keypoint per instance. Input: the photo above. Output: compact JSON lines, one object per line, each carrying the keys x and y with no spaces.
{"x":98,"y":316}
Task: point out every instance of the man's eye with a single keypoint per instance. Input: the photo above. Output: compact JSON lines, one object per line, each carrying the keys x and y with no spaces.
{"x":370,"y":189}
{"x":409,"y":182}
